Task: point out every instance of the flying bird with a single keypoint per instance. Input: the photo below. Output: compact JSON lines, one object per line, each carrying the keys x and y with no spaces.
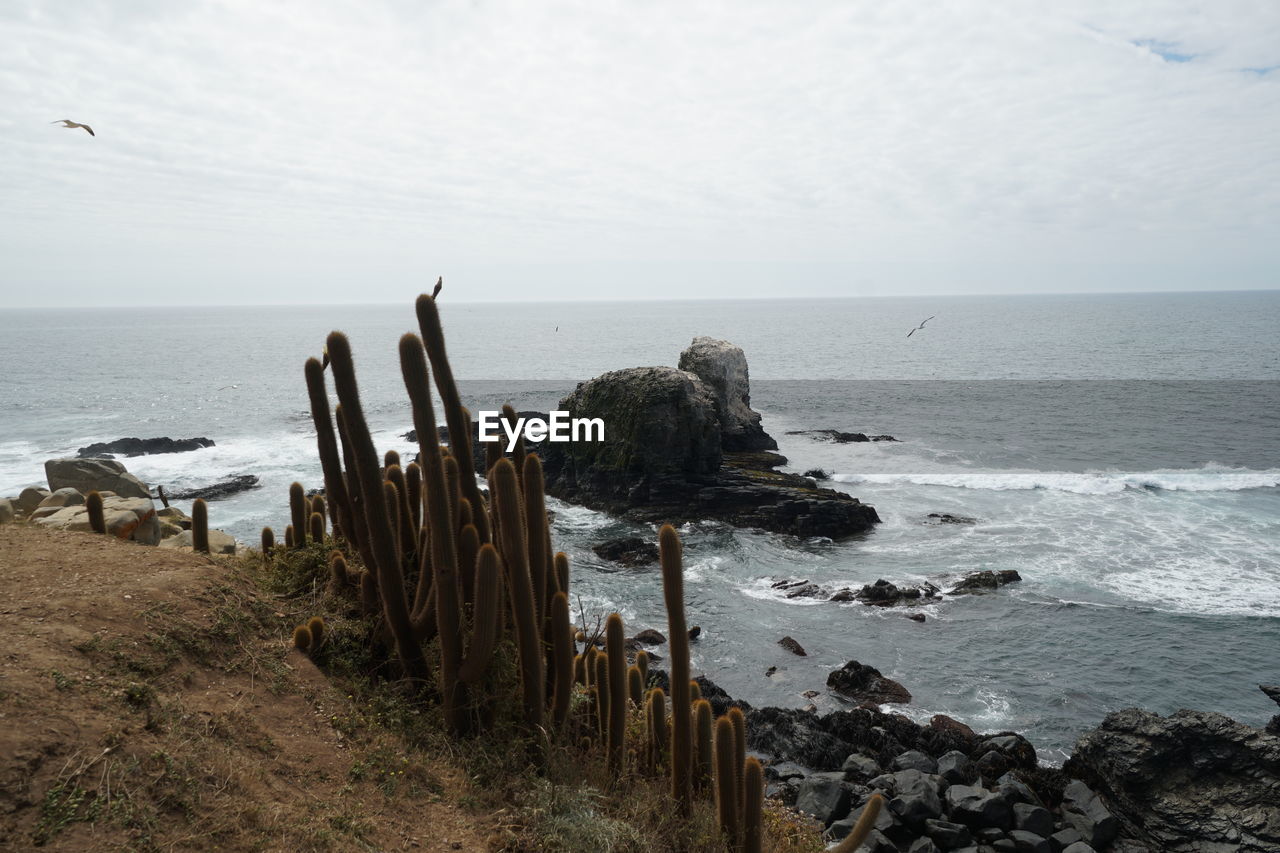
{"x":225,"y":387}
{"x":66,"y":122}
{"x":921,"y":326}
{"x":439,"y":285}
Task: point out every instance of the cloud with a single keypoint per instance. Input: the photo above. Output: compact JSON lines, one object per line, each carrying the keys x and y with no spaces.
{"x":279,"y":152}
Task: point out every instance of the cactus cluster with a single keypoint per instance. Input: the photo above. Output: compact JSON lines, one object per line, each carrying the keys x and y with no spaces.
{"x":440,"y":566}
{"x":97,"y":518}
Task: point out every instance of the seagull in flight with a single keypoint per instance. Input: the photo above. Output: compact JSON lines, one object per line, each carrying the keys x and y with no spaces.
{"x":225,"y":387}
{"x":66,"y":122}
{"x":921,"y":326}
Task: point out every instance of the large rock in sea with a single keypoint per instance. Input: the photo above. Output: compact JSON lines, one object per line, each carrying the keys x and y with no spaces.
{"x":662,"y":460}
{"x":723,"y":367}
{"x":142,"y":447}
{"x":1192,"y":782}
{"x":86,"y":475}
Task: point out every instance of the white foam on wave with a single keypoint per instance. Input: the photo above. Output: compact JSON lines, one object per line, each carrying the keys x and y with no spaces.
{"x":1208,"y":478}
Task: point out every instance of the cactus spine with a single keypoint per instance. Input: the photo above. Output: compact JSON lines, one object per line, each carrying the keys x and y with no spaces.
{"x":861,"y":829}
{"x":298,"y":513}
{"x":97,"y":518}
{"x":678,"y":633}
{"x":200,"y":526}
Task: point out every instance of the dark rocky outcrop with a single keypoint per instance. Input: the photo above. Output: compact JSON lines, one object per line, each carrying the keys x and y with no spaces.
{"x":838,"y":437}
{"x":1191,"y":782}
{"x":215,"y":491}
{"x":630,"y":551}
{"x":790,"y":644}
{"x":948,"y":518}
{"x":662,"y":460}
{"x":984,"y":581}
{"x":882,"y":593}
{"x":864,"y":684}
{"x":141,"y":447}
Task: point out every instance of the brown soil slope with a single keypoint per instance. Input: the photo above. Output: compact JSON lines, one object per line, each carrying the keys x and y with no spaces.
{"x":149,"y":701}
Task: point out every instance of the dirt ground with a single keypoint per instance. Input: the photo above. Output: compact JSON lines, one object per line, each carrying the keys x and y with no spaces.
{"x":149,"y":700}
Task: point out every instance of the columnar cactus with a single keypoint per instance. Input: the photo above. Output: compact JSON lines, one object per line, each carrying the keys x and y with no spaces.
{"x":200,"y":526}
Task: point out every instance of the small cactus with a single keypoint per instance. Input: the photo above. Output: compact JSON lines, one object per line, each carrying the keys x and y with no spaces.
{"x":302,"y":638}
{"x":200,"y":526}
{"x":288,"y":537}
{"x":702,"y":726}
{"x":617,"y":674}
{"x":298,"y":511}
{"x":268,"y":542}
{"x":753,"y":807}
{"x":315,"y":626}
{"x":726,"y":781}
{"x":635,"y":685}
{"x":97,"y":519}
{"x":317,"y":527}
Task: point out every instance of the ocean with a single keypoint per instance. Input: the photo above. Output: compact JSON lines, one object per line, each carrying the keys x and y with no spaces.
{"x":1121,"y":452}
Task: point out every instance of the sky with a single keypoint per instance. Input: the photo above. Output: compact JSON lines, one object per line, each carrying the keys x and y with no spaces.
{"x":253,"y":152}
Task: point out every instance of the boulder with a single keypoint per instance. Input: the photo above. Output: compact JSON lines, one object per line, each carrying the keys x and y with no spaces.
{"x":948,"y":834}
{"x":825,"y":796}
{"x":61,"y":498}
{"x":1189,"y":782}
{"x":219,"y":542}
{"x":133,"y":519}
{"x":630,"y":551}
{"x":650,"y":637}
{"x":7,"y":513}
{"x":948,"y":518}
{"x":977,"y":807}
{"x":914,"y":759}
{"x":723,"y":367}
{"x":863,"y":683}
{"x":883,"y":593}
{"x":86,"y":475}
{"x":30,"y":498}
{"x":985,"y":581}
{"x":792,"y":646}
{"x":141,"y":447}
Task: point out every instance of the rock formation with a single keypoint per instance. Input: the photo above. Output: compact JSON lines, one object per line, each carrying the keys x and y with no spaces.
{"x":86,"y":475}
{"x":723,"y":367}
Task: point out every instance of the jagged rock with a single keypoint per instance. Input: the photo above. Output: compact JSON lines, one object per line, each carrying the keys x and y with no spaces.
{"x":947,"y":834}
{"x":914,"y":759}
{"x":1192,"y":781}
{"x":948,"y":518}
{"x":1064,"y":838}
{"x":219,"y":542}
{"x":860,"y":768}
{"x":792,"y":646}
{"x":817,"y":474}
{"x":824,"y":796}
{"x":838,"y":437}
{"x":1014,"y":748}
{"x":1033,"y":818}
{"x":977,"y":807}
{"x":30,"y":498}
{"x":1272,"y":691}
{"x":985,"y":581}
{"x":945,"y":723}
{"x":1029,"y":842}
{"x":141,"y":447}
{"x":630,"y":551}
{"x":650,"y":637}
{"x":863,"y":683}
{"x":723,"y":367}
{"x":882,"y":593}
{"x":955,"y":767}
{"x":216,"y":491}
{"x":86,"y":475}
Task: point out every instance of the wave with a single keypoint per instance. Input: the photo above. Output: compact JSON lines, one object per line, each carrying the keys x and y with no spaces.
{"x":1208,"y":478}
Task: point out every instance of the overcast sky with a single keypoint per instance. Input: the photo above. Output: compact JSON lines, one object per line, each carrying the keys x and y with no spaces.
{"x":265,"y":152}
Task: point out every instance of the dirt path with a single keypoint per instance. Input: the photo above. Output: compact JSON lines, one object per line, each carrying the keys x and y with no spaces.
{"x":148,"y":701}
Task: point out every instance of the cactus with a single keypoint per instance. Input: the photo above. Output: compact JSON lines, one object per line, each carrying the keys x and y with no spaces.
{"x":580,"y":669}
{"x":335,"y":484}
{"x":861,"y":829}
{"x":382,"y":544}
{"x":318,"y":505}
{"x":702,"y":725}
{"x":413,"y":482}
{"x":339,"y":574}
{"x":315,"y":627}
{"x":317,"y":526}
{"x":288,"y":537}
{"x":485,"y":616}
{"x":200,"y":526}
{"x":739,"y":723}
{"x":536,"y":535}
{"x":390,"y":458}
{"x":404,"y":512}
{"x":657,"y":720}
{"x":604,"y":701}
{"x":635,"y":683}
{"x":561,"y":563}
{"x":302,"y":638}
{"x":369,"y":602}
{"x":681,"y":737}
{"x":468,"y":550}
{"x":642,"y":663}
{"x":565,"y":665}
{"x":506,"y":494}
{"x":456,"y":416}
{"x":268,"y":542}
{"x":617,"y":667}
{"x":695,"y":692}
{"x":97,"y":518}
{"x":726,"y":781}
{"x":753,"y":807}
{"x":298,"y":512}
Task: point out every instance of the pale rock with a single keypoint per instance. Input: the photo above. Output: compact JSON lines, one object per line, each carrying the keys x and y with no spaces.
{"x":85,"y":475}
